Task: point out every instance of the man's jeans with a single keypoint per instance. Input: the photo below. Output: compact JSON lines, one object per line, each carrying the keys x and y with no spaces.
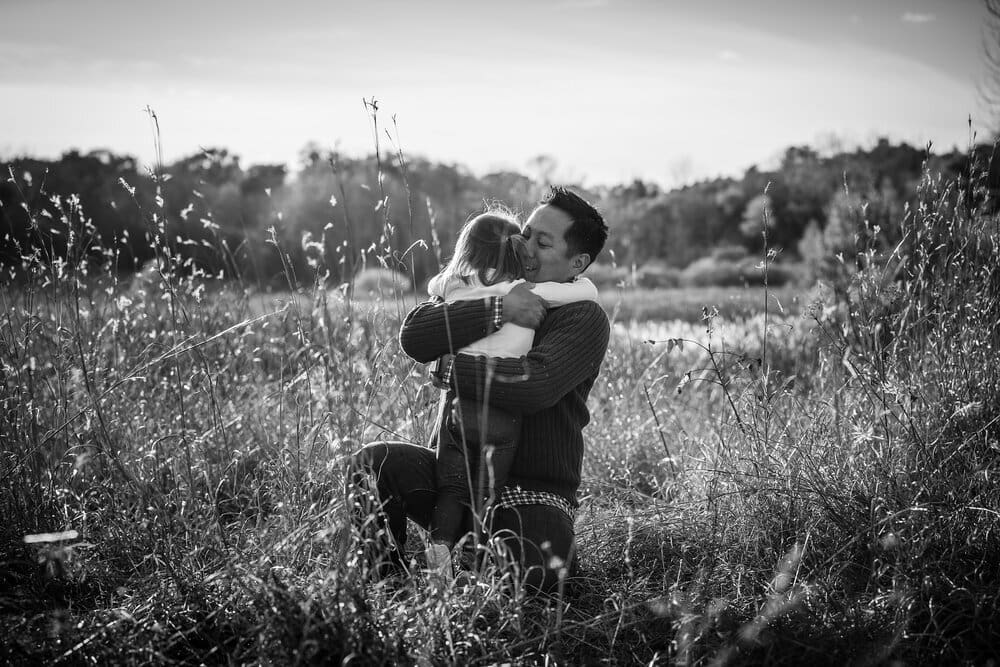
{"x":539,"y":539}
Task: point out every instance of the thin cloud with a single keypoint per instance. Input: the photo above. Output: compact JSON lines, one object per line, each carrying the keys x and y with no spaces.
{"x":729,"y":56}
{"x":915,"y":17}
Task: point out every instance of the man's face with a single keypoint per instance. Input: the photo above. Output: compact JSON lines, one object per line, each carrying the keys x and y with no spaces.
{"x":547,"y":257}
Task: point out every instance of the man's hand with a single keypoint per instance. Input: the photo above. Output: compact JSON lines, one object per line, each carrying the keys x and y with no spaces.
{"x":524,"y":307}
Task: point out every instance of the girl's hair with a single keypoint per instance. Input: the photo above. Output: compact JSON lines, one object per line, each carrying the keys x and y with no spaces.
{"x":490,"y":246}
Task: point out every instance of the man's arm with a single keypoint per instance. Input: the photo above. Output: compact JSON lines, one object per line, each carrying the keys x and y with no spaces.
{"x":435,"y":328}
{"x":571,"y":351}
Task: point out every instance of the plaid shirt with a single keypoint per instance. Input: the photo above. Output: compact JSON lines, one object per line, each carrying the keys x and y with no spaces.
{"x":497,"y":318}
{"x":513,"y":496}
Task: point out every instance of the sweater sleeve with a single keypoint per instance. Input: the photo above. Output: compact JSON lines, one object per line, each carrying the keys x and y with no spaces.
{"x":560,"y":294}
{"x":434,"y":328}
{"x":570,"y":351}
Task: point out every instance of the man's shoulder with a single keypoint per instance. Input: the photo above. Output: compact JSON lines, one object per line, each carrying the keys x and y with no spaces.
{"x":588,"y":315}
{"x":580,"y":309}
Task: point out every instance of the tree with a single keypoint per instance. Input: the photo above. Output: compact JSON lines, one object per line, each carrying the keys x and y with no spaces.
{"x":543,"y":167}
{"x":989,"y":84}
{"x":752,"y":225}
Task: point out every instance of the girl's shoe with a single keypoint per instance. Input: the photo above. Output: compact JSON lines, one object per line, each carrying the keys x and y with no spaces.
{"x":439,"y":560}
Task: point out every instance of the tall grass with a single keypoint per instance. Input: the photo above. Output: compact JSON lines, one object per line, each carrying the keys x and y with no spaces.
{"x":774,"y":489}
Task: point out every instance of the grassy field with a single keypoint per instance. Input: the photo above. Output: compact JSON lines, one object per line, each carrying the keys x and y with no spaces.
{"x":688,"y":304}
{"x":685,"y":304}
{"x":812,"y":483}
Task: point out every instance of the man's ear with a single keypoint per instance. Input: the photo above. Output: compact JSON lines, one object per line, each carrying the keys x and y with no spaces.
{"x":580,"y":262}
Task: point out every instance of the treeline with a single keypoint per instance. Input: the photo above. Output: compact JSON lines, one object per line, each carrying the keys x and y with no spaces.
{"x":337,"y":215}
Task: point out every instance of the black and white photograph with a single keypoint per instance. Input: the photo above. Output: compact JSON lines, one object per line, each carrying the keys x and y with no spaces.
{"x":533,"y":332}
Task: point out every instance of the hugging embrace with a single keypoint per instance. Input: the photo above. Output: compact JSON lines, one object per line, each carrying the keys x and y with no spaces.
{"x":517,"y":340}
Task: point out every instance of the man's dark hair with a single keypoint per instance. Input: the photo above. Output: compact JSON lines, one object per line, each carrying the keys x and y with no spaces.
{"x":588,"y":233}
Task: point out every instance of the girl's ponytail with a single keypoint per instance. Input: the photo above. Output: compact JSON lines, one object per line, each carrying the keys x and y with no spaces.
{"x":510,"y":259}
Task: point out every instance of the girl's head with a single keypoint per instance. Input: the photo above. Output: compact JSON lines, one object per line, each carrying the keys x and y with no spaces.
{"x":490,"y":246}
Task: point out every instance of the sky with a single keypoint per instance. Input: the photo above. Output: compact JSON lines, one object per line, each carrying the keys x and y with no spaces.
{"x":613,"y":90}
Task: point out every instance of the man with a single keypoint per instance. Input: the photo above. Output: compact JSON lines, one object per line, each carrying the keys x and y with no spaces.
{"x":549,"y":387}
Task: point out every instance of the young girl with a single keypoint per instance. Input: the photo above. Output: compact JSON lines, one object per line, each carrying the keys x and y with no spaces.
{"x":487,"y":262}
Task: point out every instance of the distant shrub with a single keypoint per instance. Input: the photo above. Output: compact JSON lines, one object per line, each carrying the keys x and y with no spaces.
{"x":709,"y":271}
{"x":657,"y":274}
{"x":788,"y":273}
{"x":729,"y":253}
{"x":712,"y":271}
{"x":777,"y":274}
{"x":606,"y":276}
{"x":378,"y":281}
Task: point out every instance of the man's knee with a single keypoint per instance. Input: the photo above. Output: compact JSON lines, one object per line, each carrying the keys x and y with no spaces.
{"x":364,"y":486}
{"x":366,"y":466}
{"x":550,"y":567}
{"x":538,"y":542}
{"x":536,"y":569}
{"x":369,"y":458}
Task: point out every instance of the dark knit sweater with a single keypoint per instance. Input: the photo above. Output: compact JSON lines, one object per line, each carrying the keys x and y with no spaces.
{"x":549,"y":386}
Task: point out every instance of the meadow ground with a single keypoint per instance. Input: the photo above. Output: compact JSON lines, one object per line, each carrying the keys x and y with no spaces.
{"x":759,"y":486}
{"x":626,"y":304}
